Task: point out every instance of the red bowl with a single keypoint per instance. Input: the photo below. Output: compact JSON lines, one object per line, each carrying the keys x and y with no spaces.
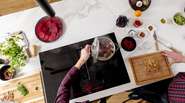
{"x":49,"y":29}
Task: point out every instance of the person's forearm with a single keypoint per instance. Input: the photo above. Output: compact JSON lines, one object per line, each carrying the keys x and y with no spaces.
{"x":79,"y":63}
{"x":63,"y":94}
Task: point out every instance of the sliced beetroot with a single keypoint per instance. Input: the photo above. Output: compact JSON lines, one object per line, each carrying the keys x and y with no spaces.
{"x":49,"y":29}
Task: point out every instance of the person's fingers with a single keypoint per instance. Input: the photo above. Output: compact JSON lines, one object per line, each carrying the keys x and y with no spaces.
{"x":163,"y":53}
{"x":169,"y":55}
{"x":85,"y":48}
{"x":88,"y":48}
{"x":168,"y":52}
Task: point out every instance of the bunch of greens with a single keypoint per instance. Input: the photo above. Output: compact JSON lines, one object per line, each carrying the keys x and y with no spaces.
{"x":179,"y":19}
{"x":13,"y":51}
{"x":22,"y":89}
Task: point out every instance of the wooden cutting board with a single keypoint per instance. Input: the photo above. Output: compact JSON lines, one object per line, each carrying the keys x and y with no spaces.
{"x":32,"y":83}
{"x":150,"y":68}
{"x":11,"y":6}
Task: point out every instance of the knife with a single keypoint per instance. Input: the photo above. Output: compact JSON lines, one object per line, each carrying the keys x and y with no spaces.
{"x":156,"y":41}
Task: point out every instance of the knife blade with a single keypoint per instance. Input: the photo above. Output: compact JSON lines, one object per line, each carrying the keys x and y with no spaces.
{"x":156,"y":41}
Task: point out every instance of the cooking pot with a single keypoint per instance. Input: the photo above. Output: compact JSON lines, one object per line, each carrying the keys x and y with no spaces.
{"x":103,"y":48}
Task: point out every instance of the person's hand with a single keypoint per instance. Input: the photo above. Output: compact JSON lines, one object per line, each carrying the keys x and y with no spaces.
{"x":85,"y":53}
{"x":177,"y":58}
{"x":84,"y":56}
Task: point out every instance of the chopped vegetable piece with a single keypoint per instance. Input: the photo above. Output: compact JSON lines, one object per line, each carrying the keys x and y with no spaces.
{"x":22,"y":89}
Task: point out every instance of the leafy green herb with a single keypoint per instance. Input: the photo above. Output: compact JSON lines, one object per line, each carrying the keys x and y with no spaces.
{"x":15,"y":53}
{"x":22,"y":89}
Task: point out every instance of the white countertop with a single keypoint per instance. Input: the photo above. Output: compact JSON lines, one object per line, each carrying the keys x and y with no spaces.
{"x":85,"y":19}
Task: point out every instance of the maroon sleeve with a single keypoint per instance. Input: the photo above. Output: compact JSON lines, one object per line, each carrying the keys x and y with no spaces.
{"x":63,"y":93}
{"x":176,"y":89}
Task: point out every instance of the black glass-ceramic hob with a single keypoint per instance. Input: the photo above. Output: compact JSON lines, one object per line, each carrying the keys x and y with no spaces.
{"x":93,"y":77}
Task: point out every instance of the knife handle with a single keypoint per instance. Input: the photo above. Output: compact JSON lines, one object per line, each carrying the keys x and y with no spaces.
{"x":157,"y":46}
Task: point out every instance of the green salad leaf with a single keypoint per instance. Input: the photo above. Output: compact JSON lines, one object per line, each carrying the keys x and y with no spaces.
{"x":22,"y":89}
